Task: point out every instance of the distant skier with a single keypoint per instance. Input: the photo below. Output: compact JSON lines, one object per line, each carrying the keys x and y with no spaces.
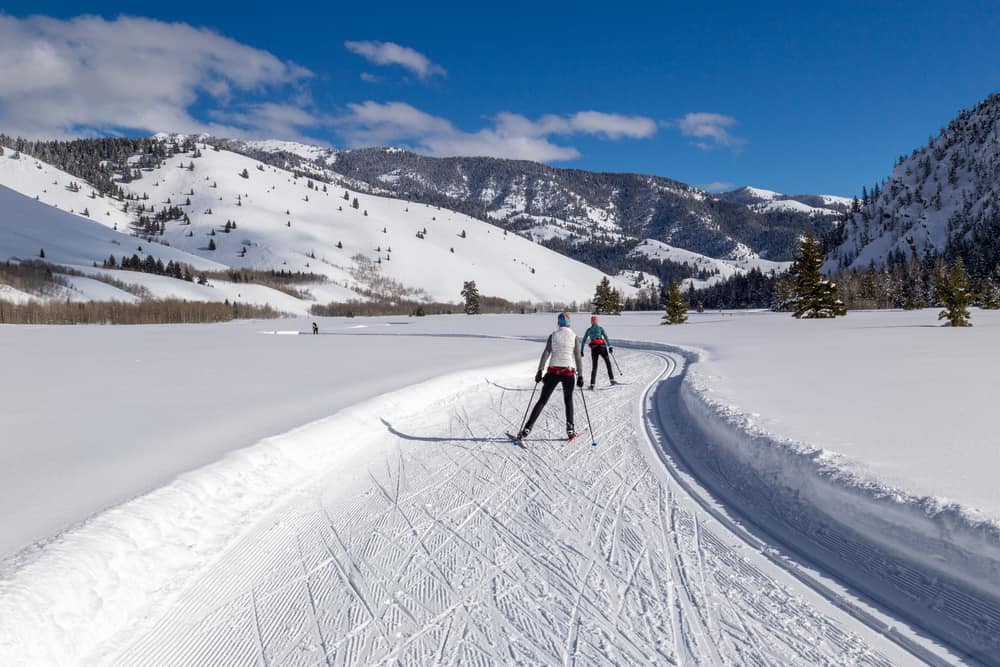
{"x":562,"y":354}
{"x":600,"y":345}
{"x":315,"y":328}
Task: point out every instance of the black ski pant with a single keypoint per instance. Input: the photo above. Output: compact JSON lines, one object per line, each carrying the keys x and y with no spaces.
{"x":549,"y":383}
{"x":596,"y":352}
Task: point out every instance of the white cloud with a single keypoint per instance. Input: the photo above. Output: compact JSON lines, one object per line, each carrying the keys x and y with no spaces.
{"x":711,"y":129}
{"x":390,"y":53}
{"x":511,"y":136}
{"x":73,"y":77}
{"x":608,"y":125}
{"x":368,"y":77}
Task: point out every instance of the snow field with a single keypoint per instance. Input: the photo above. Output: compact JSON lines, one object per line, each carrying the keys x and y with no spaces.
{"x":802,"y":429}
{"x":447,"y":544}
{"x":115,"y":571}
{"x":94,"y":416}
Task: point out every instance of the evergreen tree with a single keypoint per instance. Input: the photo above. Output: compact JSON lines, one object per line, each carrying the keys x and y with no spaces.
{"x":245,"y":174}
{"x":988,"y":294}
{"x":783,"y":298}
{"x":211,"y":244}
{"x":471,"y":295}
{"x":602,"y":297}
{"x":675,"y":309}
{"x":952,"y":289}
{"x":815,"y":296}
{"x":355,"y":203}
{"x":41,"y":253}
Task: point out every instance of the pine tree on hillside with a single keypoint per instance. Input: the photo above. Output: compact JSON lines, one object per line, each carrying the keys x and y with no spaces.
{"x":211,"y":244}
{"x":41,"y":253}
{"x":355,"y":203}
{"x":674,"y":307}
{"x":952,"y":289}
{"x":471,"y":295}
{"x":815,"y":296}
{"x":245,"y":174}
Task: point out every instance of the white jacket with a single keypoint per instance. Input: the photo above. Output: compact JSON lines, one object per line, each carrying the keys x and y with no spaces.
{"x":564,"y":349}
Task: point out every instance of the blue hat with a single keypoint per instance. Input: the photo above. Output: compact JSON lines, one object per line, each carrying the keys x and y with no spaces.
{"x":563,"y":319}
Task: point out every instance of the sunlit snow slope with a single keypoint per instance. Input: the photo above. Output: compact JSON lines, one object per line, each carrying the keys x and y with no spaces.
{"x":284,"y":224}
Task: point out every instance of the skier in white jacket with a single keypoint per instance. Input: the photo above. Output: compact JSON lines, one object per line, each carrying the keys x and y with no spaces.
{"x":562,"y":354}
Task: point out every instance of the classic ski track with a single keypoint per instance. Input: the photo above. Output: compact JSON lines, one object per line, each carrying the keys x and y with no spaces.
{"x":472,"y":551}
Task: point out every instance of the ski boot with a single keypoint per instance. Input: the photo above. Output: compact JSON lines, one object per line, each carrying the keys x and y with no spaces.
{"x":570,"y":432}
{"x":591,"y":386}
{"x":524,"y":433}
{"x":614,"y":381}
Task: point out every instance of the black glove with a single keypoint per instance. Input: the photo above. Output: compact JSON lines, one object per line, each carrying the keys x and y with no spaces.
{"x":538,"y":377}
{"x":579,"y":381}
{"x":611,"y":350}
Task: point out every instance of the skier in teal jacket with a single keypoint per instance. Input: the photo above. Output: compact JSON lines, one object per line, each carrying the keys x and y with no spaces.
{"x":600,"y":345}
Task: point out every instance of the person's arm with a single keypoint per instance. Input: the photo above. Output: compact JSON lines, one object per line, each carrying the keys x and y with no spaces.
{"x":546,"y":353}
{"x":583,"y":341}
{"x":604,"y":335}
{"x":578,"y":356}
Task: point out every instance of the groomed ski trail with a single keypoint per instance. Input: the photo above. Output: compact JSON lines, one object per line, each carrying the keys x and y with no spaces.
{"x":465,"y":549}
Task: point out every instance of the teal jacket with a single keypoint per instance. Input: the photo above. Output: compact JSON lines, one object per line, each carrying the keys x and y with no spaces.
{"x":596,"y":335}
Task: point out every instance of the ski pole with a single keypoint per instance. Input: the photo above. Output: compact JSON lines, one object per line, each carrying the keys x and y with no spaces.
{"x":590,"y":426}
{"x":616,"y":363}
{"x":530,"y":400}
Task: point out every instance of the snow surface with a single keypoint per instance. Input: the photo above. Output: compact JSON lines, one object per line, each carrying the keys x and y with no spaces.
{"x":870,"y":434}
{"x":93,"y":416}
{"x":303,"y":239}
{"x":429,"y":538}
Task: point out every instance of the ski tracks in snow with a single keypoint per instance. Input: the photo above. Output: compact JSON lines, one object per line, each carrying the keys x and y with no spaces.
{"x":465,"y":549}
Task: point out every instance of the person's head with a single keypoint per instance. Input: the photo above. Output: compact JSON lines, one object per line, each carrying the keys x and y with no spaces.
{"x":593,"y":319}
{"x":563,"y":319}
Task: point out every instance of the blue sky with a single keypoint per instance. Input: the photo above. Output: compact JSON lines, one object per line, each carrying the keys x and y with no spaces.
{"x":795,"y":97}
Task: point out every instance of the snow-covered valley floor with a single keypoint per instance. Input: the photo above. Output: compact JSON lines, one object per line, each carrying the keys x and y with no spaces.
{"x":446,"y":544}
{"x":406,"y":529}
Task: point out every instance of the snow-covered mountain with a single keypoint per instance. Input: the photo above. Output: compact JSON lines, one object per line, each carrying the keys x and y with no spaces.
{"x":224,"y":209}
{"x":942,"y":199}
{"x":582,"y":214}
{"x":766,"y":201}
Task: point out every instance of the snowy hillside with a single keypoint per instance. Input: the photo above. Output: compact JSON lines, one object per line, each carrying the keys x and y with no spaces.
{"x":941,"y":199}
{"x":277,"y":221}
{"x":579,"y":212}
{"x":766,"y":201}
{"x":721,"y":269}
{"x":28,"y":226}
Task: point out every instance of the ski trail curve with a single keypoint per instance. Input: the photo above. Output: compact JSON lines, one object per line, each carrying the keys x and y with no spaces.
{"x":464,"y":549}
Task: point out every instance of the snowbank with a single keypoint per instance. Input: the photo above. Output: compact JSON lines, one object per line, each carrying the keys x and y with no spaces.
{"x":937,"y":559}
